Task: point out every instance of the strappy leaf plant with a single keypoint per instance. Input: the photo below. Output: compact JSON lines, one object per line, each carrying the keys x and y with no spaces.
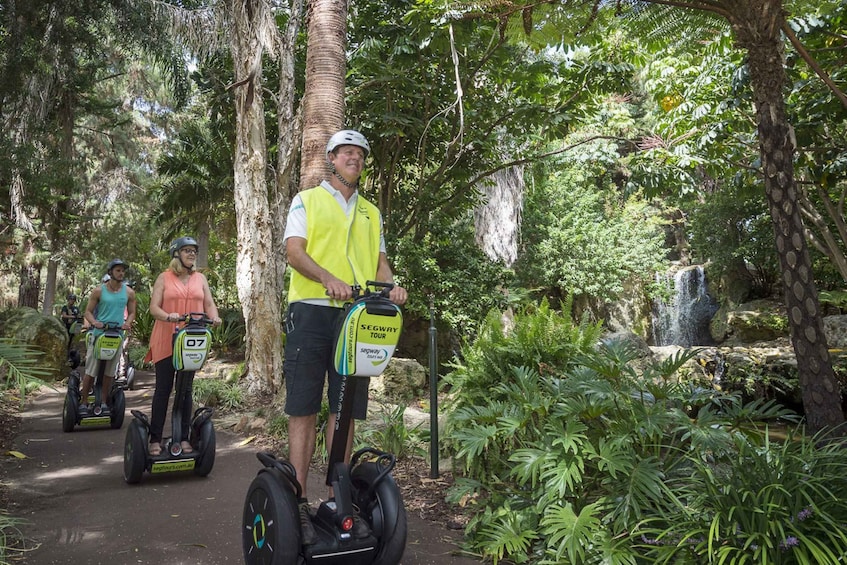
{"x":574,"y":454}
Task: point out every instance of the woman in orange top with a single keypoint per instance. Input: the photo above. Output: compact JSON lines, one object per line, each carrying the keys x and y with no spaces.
{"x":178,"y":291}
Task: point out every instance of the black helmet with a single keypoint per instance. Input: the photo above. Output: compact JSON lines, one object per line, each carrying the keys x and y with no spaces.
{"x":181,"y":242}
{"x":71,"y":296}
{"x":114,"y":263}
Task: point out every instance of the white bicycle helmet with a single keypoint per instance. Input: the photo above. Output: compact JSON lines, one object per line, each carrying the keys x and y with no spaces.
{"x":348,"y":137}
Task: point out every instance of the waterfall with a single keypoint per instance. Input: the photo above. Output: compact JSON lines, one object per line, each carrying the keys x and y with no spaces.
{"x":684,"y":320}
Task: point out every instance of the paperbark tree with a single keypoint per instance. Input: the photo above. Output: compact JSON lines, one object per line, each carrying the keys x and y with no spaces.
{"x":256,"y":268}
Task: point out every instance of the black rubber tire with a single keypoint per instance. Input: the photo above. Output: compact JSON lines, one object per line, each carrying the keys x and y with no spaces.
{"x":70,"y":411}
{"x":130,"y":378}
{"x":116,"y":418}
{"x":270,"y":522}
{"x":135,"y":452}
{"x":385,"y":512}
{"x":206,"y":445}
{"x":73,"y":383}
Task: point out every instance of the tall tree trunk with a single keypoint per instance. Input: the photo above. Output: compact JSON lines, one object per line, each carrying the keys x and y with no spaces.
{"x":50,"y":287}
{"x":288,"y":133}
{"x":757,"y":24}
{"x":202,"y":237}
{"x":59,"y":214}
{"x":29,"y":286}
{"x":323,"y":99}
{"x":256,"y":280}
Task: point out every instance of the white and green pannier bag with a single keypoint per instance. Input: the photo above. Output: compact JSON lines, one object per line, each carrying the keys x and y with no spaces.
{"x":368,"y":336}
{"x":107,"y":344}
{"x":191,"y":347}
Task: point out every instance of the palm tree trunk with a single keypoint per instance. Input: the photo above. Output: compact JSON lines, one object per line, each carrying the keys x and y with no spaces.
{"x":258,"y":288}
{"x":323,"y":100}
{"x":757,"y":25}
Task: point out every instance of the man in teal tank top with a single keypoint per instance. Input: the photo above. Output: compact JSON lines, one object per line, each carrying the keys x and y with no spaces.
{"x":114,"y":304}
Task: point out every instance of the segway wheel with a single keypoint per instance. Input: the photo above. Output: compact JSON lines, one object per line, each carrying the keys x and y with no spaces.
{"x":271,"y":522}
{"x":135,"y":452}
{"x":130,"y":378}
{"x":73,"y":383}
{"x":69,"y":412}
{"x":206,"y":460}
{"x":116,"y":418}
{"x":384,"y":512}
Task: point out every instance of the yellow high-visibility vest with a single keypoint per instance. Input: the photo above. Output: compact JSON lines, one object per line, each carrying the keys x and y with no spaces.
{"x":346,"y":247}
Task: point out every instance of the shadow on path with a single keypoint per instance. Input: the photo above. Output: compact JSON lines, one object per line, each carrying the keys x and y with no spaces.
{"x":70,"y":488}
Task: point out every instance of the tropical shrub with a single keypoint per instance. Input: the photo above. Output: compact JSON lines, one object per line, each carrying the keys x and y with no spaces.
{"x":142,"y":327}
{"x":19,"y":367}
{"x":217,"y":392}
{"x":574,"y":454}
{"x":391,"y":434}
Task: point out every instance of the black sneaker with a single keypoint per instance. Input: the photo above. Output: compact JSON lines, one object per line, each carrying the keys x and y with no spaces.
{"x":306,"y":527}
{"x":83,"y":410}
{"x":360,"y":528}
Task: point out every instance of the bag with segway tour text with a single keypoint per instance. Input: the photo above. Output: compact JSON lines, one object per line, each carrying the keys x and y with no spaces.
{"x":368,"y":337}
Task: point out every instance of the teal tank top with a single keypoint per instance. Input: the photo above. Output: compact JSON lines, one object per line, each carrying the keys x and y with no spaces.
{"x":112,"y":305}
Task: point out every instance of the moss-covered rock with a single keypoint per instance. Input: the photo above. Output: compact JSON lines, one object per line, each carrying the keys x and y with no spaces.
{"x":758,"y":320}
{"x":403,"y":379}
{"x":47,"y":334}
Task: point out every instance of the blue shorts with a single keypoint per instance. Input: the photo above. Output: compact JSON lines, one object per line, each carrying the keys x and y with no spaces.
{"x":310,"y":337}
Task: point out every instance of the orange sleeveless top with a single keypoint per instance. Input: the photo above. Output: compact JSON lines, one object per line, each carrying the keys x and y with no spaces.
{"x":177,"y":297}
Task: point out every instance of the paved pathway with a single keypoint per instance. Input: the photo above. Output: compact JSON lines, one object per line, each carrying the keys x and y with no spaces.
{"x":71,"y":490}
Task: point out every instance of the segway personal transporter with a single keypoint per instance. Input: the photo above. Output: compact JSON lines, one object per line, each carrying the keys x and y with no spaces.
{"x":271,"y":533}
{"x":106,"y":347}
{"x":191,"y":348}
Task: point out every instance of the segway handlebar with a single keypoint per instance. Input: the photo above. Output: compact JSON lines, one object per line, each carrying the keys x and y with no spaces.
{"x":384,"y":289}
{"x":108,"y":326}
{"x":196,"y":319}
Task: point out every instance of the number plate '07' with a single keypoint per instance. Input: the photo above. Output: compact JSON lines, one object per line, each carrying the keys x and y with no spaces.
{"x":190,"y":350}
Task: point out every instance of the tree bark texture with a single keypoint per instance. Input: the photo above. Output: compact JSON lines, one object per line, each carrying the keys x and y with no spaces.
{"x":288,"y":132}
{"x":757,"y":24}
{"x":323,"y":100}
{"x":258,"y":287}
{"x":29,"y":287}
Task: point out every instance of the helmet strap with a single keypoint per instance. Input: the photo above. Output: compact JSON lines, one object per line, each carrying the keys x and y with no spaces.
{"x":186,"y":267}
{"x":345,"y":182}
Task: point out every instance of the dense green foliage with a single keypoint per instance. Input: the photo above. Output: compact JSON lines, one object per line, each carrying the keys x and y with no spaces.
{"x":580,"y":240}
{"x":19,"y":368}
{"x":575,"y":452}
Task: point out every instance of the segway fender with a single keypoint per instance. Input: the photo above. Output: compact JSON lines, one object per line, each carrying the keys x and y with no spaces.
{"x":384,"y":511}
{"x":118,"y":408}
{"x":142,"y":419}
{"x":130,"y":378}
{"x":206,"y":445}
{"x":135,"y":451}
{"x":70,"y":411}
